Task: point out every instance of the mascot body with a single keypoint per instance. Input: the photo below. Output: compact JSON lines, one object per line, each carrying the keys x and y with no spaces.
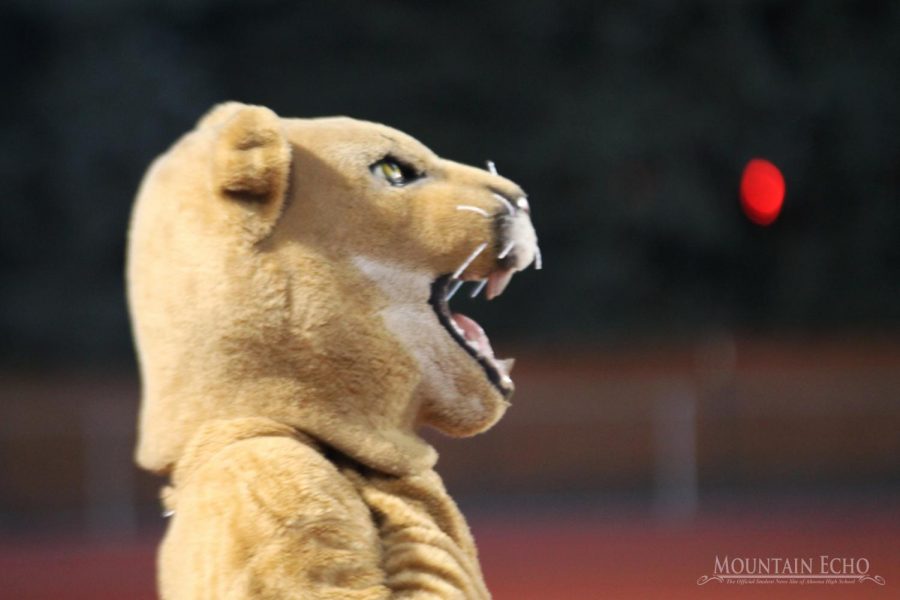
{"x":287,"y":283}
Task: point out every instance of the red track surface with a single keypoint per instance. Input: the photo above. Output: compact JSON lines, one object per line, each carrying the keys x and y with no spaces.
{"x":532,"y":559}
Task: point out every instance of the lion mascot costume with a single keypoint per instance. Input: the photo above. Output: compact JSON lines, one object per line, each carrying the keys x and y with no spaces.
{"x":288,"y":281}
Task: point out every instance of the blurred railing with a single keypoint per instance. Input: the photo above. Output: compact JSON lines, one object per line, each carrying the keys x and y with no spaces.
{"x":662,"y":425}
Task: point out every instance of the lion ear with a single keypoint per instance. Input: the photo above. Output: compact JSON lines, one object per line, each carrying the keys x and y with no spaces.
{"x":251,"y":156}
{"x":219,"y":113}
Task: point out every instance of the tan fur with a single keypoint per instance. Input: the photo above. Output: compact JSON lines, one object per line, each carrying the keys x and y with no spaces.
{"x":288,"y":353}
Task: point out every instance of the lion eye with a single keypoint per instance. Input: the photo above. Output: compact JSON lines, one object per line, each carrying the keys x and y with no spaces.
{"x":394,"y":172}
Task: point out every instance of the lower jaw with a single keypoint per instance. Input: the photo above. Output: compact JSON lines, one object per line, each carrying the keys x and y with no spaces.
{"x":438,"y":302}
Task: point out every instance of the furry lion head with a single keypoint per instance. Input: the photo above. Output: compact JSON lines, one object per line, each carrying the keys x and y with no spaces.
{"x":300,"y":269}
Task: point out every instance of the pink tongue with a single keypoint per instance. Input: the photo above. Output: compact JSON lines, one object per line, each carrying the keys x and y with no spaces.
{"x":473,"y":332}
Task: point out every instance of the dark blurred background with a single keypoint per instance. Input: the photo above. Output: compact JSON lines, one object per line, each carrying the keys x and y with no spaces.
{"x":679,"y":363}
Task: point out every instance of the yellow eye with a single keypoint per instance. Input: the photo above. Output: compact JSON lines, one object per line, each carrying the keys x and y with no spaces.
{"x":392,"y":172}
{"x":395,"y":171}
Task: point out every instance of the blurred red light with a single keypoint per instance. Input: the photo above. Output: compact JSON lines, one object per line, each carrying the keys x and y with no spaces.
{"x":762,"y":191}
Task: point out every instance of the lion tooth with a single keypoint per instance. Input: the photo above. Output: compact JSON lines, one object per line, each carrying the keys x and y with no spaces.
{"x":497,"y":282}
{"x":507,"y":364}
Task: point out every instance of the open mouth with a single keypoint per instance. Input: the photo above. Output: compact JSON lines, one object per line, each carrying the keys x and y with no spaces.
{"x":469,"y":334}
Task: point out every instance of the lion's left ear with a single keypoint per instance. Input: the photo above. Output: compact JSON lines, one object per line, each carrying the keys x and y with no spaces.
{"x":252,"y":159}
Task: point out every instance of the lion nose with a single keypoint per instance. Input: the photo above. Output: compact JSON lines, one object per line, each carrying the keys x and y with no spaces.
{"x":513,"y":206}
{"x":522,"y":204}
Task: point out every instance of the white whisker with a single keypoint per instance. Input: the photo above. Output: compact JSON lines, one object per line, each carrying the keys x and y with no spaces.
{"x":478,"y":288}
{"x":491,"y":167}
{"x":453,"y":289}
{"x":538,"y":261}
{"x":506,"y":203}
{"x":469,"y":260}
{"x":473,"y":209}
{"x":506,"y":250}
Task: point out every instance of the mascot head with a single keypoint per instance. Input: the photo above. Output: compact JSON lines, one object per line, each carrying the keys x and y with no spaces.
{"x":300,"y":269}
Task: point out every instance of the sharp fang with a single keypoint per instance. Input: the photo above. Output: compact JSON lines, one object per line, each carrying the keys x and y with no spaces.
{"x":469,"y":260}
{"x":478,"y":288}
{"x":491,"y":167}
{"x":507,"y":364}
{"x":509,"y":207}
{"x":453,"y":289}
{"x":522,"y":204}
{"x":538,"y":261}
{"x":506,"y":250}
{"x":497,"y":282}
